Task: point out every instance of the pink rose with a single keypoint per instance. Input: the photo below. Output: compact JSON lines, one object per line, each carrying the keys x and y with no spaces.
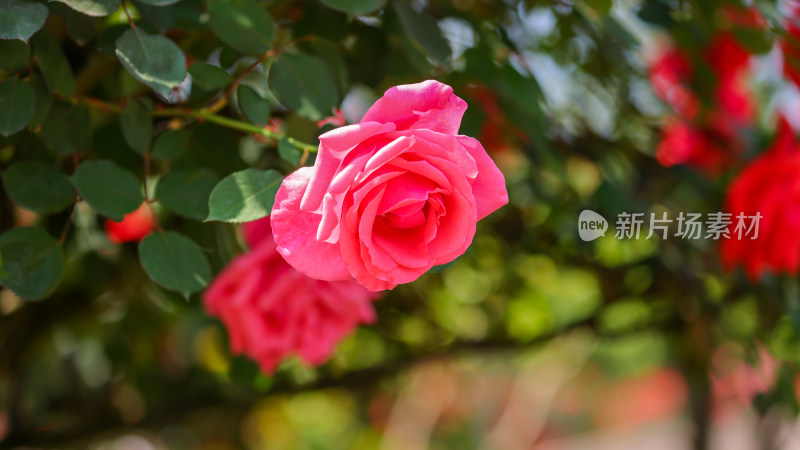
{"x":272,"y":311}
{"x":390,"y":197}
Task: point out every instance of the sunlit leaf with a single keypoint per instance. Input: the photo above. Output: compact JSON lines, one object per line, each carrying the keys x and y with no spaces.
{"x":244,"y":196}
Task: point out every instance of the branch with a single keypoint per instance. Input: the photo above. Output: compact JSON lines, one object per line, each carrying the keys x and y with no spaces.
{"x":181,"y":408}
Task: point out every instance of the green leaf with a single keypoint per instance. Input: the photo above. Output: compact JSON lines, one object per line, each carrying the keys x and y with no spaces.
{"x":80,"y":27}
{"x":33,"y":262}
{"x":174,"y":262}
{"x":244,"y":196}
{"x":288,"y":151}
{"x":38,"y":187}
{"x":242,"y":24}
{"x":304,"y":84}
{"x":152,"y":59}
{"x":17,"y":105}
{"x":19,"y":20}
{"x":171,"y":144}
{"x":16,"y":55}
{"x":111,"y":190}
{"x":43,"y":102}
{"x":209,"y":77}
{"x":55,"y":68}
{"x":186,"y":192}
{"x":423,"y":31}
{"x":67,"y":129}
{"x":137,"y":127}
{"x":255,"y":108}
{"x":158,"y":16}
{"x":94,"y":8}
{"x":355,"y":7}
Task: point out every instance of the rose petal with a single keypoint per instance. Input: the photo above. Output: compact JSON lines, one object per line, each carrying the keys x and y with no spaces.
{"x":426,"y":105}
{"x":333,"y":147}
{"x":295,"y":232}
{"x":256,"y":232}
{"x":489,"y":187}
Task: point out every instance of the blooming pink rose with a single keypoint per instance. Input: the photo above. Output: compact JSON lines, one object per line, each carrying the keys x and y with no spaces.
{"x":390,"y":197}
{"x":272,"y":311}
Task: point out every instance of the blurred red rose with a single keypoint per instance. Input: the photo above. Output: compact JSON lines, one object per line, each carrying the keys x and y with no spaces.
{"x":271,"y":311}
{"x":134,"y":226}
{"x":769,"y":186}
{"x":735,"y":382}
{"x":791,"y":45}
{"x":669,"y":74}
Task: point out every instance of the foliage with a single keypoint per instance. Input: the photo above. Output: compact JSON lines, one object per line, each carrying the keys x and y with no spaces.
{"x":199,"y":108}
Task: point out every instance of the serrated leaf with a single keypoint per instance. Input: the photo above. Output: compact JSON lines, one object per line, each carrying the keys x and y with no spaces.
{"x":242,"y":24}
{"x":304,"y":84}
{"x":244,"y":196}
{"x":209,"y":77}
{"x":67,"y":128}
{"x":171,"y":144}
{"x":288,"y":151}
{"x":355,"y":7}
{"x":33,"y":262}
{"x":423,"y":31}
{"x":137,"y":127}
{"x":111,"y":190}
{"x":16,"y":55}
{"x":255,"y":108}
{"x":38,"y":187}
{"x":174,"y":262}
{"x":17,"y":105}
{"x":186,"y":192}
{"x":152,"y":59}
{"x":19,"y":20}
{"x":94,"y":8}
{"x":55,"y":68}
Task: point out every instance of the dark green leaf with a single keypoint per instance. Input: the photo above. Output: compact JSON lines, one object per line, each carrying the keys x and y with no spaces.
{"x":171,"y":144}
{"x":16,"y":55}
{"x":304,"y":84}
{"x":152,"y":59}
{"x":244,"y":196}
{"x":175,"y":262}
{"x":33,"y":263}
{"x":242,"y":24}
{"x":422,"y":30}
{"x":43,"y":102}
{"x":355,"y":7}
{"x":94,"y":8}
{"x":55,"y":68}
{"x":186,"y":192}
{"x":38,"y":187}
{"x":19,"y":20}
{"x":109,"y":189}
{"x":137,"y":127}
{"x":209,"y":77}
{"x":68,"y":128}
{"x":160,"y":17}
{"x":17,"y":105}
{"x":80,"y":27}
{"x":252,"y":105}
{"x":288,"y":151}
